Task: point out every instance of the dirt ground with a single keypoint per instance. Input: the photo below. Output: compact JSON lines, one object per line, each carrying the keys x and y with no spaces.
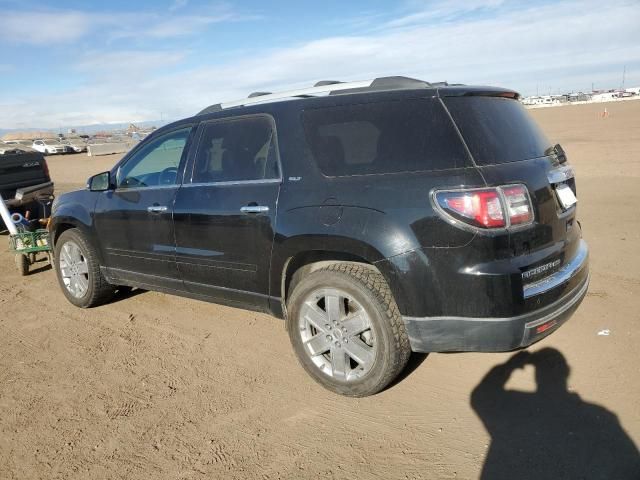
{"x":153,"y":386}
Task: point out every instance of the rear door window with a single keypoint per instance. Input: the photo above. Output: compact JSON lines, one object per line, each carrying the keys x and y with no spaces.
{"x":496,"y":129}
{"x":239,"y":149}
{"x":383,"y":137}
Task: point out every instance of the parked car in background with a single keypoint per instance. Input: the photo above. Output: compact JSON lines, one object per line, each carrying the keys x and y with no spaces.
{"x":377,"y":218}
{"x":6,"y":149}
{"x":9,"y":148}
{"x":26,"y":145}
{"x":50,"y":146}
{"x":78,"y":145}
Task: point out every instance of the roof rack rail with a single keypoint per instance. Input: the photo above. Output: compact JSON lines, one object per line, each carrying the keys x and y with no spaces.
{"x":324,"y":87}
{"x":393,"y":83}
{"x":211,"y":109}
{"x":258,"y":94}
{"x":322,"y":83}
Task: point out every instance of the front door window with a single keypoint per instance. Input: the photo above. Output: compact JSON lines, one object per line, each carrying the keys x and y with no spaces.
{"x":156,"y":164}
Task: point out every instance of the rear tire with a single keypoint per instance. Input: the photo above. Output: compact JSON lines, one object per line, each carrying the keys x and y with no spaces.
{"x":22,"y":262}
{"x":346,"y":329}
{"x":78,"y":271}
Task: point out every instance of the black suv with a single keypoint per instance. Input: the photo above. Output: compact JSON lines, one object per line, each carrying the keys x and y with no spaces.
{"x":377,"y":218}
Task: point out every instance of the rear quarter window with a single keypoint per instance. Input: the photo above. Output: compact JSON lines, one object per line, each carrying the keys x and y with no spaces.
{"x":496,"y":129}
{"x":383,"y":137}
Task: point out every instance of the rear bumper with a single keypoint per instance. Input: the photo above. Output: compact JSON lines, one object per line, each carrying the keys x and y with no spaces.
{"x":27,"y":196}
{"x":487,"y":334}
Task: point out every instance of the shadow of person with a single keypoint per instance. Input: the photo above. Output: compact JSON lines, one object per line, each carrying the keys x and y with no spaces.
{"x":552,"y":433}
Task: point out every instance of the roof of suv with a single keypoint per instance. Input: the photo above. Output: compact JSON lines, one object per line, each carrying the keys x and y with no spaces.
{"x":328,"y":91}
{"x":383,"y":84}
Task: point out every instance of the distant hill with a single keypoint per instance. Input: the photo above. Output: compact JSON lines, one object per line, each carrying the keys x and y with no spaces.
{"x":80,"y":129}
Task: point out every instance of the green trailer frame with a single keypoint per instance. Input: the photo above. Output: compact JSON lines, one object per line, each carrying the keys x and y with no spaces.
{"x":27,"y":245}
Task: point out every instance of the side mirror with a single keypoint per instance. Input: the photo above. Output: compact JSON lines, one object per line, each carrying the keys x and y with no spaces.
{"x":100,"y":182}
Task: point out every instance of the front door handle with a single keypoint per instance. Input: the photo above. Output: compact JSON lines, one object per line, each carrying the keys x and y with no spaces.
{"x":156,"y":209}
{"x":255,"y":209}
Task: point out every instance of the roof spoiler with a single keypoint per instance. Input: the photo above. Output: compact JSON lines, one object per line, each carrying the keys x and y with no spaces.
{"x":465,"y":91}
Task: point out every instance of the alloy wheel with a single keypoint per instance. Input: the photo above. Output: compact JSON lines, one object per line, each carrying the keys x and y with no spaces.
{"x":74,"y":269}
{"x":337,"y":334}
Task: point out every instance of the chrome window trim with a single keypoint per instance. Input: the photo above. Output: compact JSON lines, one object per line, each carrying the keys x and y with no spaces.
{"x":150,"y":187}
{"x":232,"y":182}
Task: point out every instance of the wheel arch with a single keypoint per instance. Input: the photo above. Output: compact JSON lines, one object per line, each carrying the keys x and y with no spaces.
{"x":405,"y":287}
{"x":311,"y":260}
{"x":62,"y":223}
{"x":59,"y":229}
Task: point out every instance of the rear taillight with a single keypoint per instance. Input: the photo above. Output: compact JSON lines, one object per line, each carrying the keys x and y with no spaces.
{"x":487,"y":208}
{"x":518,"y":203}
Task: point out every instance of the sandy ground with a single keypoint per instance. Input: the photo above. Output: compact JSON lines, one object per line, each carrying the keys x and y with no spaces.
{"x":153,"y":386}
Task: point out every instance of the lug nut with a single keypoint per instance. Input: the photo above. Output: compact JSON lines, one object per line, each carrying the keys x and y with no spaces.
{"x":329,"y":337}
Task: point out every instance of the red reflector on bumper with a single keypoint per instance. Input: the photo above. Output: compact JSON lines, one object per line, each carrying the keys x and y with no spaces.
{"x":546,"y":326}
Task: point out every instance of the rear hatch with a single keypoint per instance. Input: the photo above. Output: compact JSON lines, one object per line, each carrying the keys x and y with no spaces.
{"x":509,"y":148}
{"x":21,"y":170}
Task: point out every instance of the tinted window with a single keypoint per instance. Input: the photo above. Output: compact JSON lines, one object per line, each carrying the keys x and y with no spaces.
{"x":497,"y":130}
{"x":237,"y":150}
{"x":156,"y":163}
{"x":383,"y":137}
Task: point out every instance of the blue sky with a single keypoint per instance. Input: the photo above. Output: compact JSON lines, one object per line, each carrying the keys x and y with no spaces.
{"x":80,"y":62}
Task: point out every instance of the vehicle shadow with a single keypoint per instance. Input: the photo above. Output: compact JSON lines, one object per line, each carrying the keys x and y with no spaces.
{"x":551,"y":433}
{"x":415,"y":360}
{"x":123,"y":293}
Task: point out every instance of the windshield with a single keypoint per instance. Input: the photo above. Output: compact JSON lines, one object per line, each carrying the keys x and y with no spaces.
{"x":51,"y":142}
{"x":496,"y":129}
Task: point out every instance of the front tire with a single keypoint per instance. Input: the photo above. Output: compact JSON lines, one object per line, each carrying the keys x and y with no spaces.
{"x":78,"y":271}
{"x":346,"y":329}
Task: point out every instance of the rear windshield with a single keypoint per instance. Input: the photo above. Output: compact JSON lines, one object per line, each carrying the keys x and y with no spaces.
{"x":497,"y":130}
{"x":383,"y":137}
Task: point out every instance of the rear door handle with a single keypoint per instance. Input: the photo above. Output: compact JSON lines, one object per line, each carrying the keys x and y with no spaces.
{"x":156,"y":209}
{"x":255,"y":209}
